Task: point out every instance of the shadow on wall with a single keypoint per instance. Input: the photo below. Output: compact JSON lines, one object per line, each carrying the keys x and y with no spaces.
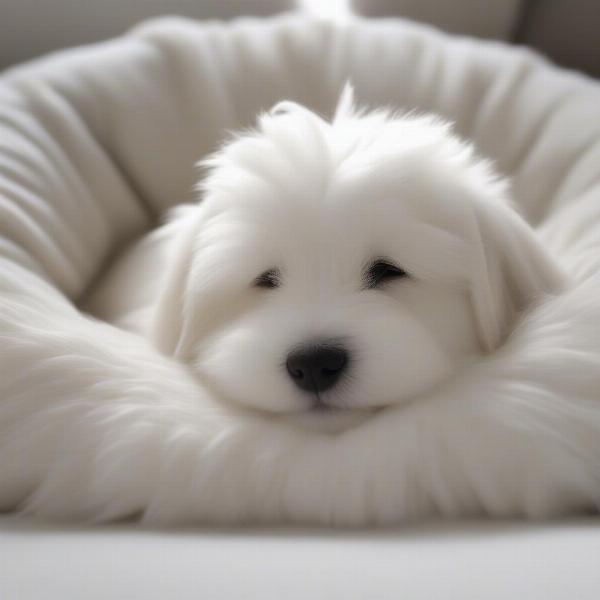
{"x":568,"y":31}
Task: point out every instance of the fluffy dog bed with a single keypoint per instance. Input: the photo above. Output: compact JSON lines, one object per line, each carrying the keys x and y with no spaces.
{"x":95,"y":143}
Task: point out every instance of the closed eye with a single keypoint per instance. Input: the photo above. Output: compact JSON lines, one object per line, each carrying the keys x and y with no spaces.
{"x":269,"y":279}
{"x":381,"y":271}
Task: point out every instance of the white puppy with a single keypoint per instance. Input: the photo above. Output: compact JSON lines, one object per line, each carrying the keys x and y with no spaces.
{"x":335,"y":268}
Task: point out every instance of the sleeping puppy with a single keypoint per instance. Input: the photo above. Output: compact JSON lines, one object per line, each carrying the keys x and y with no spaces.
{"x":334,"y":268}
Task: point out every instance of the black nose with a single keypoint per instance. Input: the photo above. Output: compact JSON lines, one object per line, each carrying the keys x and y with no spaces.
{"x":317,"y":367}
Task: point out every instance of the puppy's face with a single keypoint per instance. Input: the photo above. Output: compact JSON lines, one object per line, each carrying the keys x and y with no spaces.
{"x":340,"y":266}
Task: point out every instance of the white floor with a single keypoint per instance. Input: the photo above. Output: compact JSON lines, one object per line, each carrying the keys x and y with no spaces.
{"x":462,"y":560}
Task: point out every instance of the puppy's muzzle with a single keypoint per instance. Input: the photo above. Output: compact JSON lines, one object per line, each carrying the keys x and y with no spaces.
{"x":317,"y":367}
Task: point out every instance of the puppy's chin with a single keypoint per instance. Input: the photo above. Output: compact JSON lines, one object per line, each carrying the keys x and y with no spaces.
{"x":327,"y":420}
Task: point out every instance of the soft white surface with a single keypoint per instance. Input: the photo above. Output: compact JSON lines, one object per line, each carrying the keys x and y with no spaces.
{"x":466,"y":561}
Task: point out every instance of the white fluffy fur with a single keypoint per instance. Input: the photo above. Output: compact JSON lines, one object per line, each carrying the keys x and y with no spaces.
{"x":476,"y":384}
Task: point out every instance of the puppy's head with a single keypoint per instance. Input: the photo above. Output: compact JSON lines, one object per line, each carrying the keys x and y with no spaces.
{"x":350,"y":264}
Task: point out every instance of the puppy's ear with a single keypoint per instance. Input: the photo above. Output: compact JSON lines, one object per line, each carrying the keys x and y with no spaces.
{"x":167,"y":325}
{"x":514,"y":271}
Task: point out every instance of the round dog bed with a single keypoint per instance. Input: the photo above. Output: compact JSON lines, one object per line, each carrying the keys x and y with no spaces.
{"x":95,"y":143}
